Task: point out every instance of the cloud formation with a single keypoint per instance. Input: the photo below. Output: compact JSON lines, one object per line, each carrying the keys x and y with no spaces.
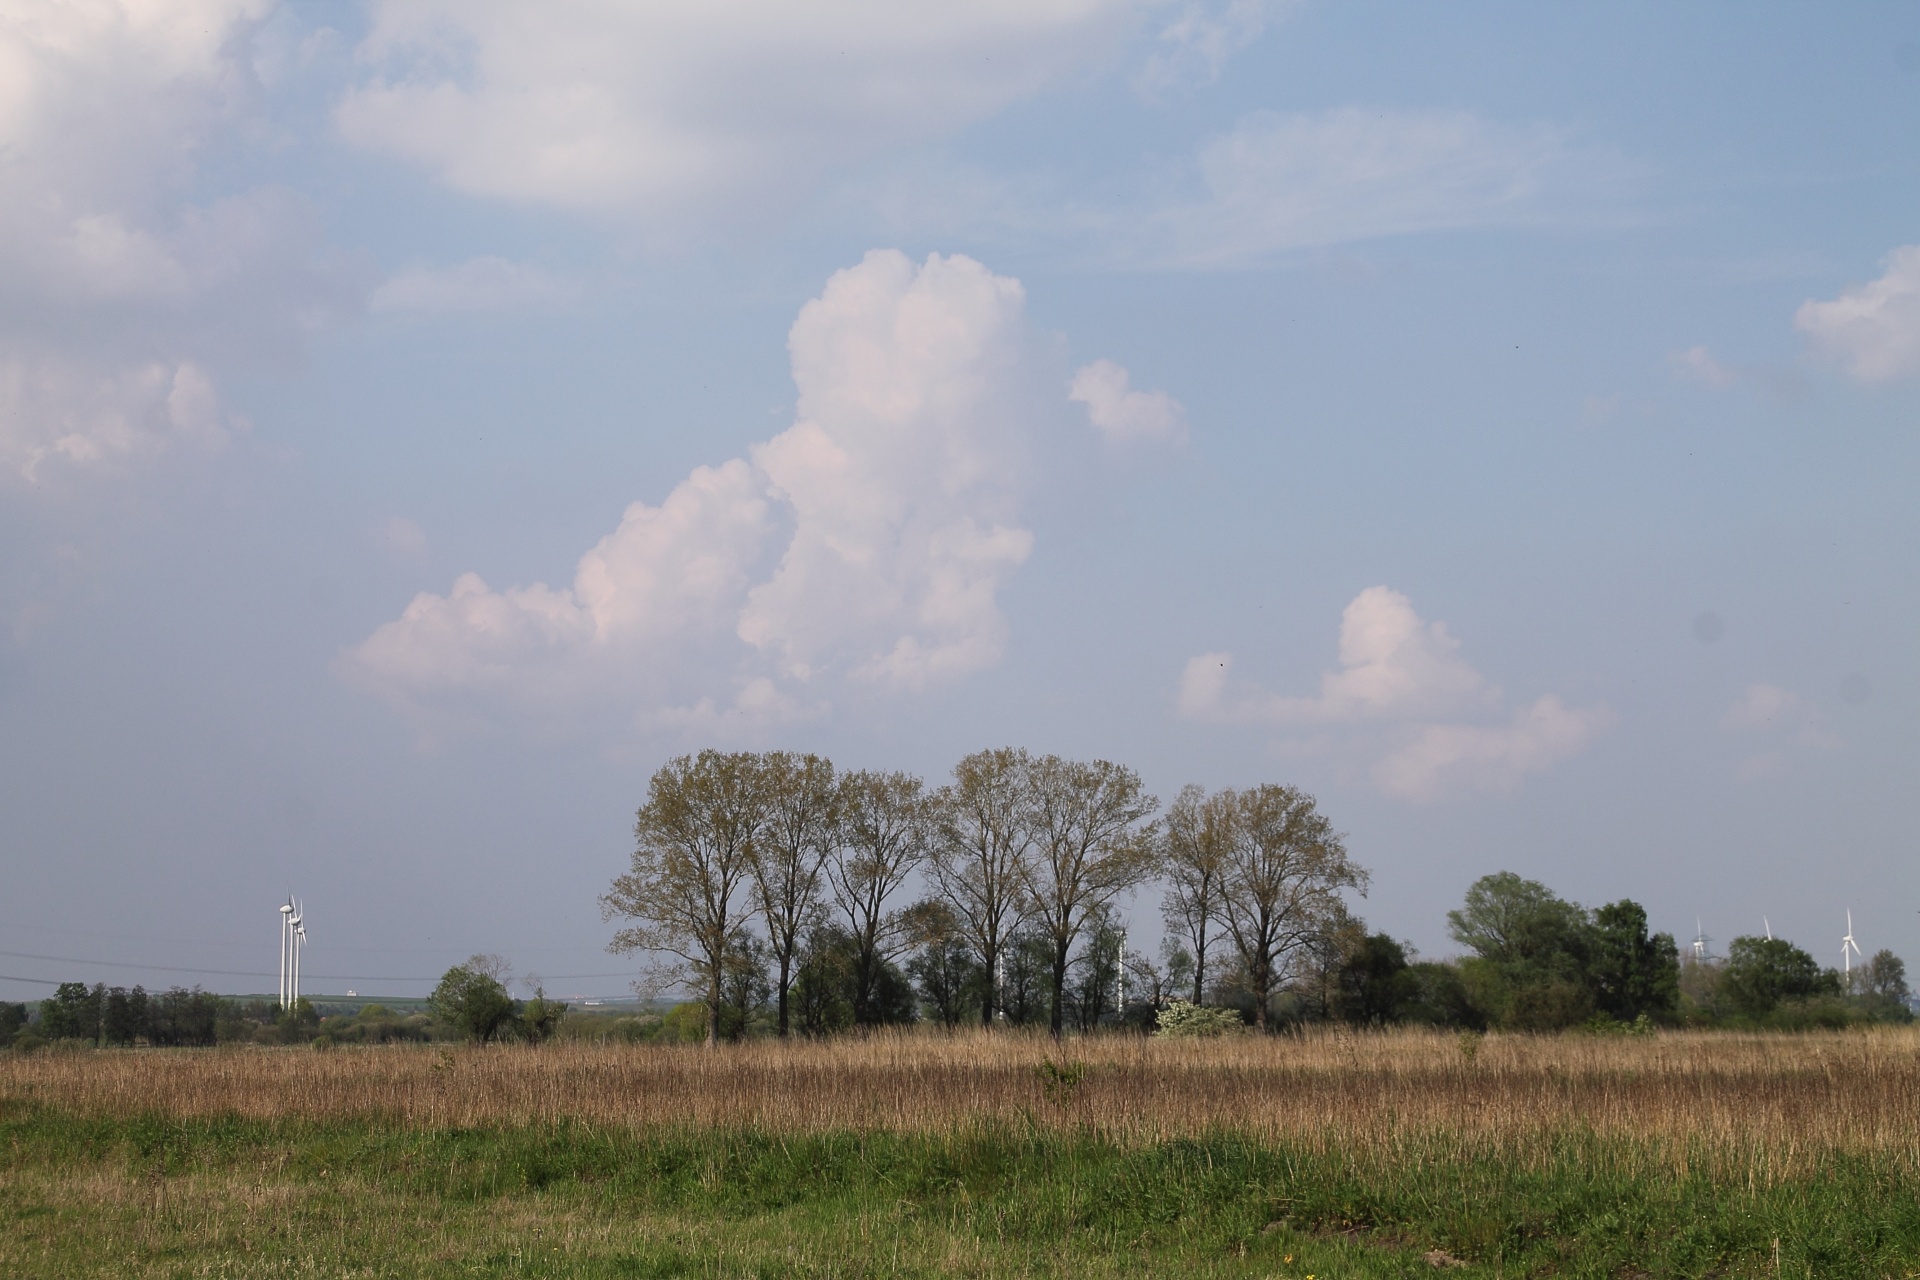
{"x":1120,"y":413}
{"x":119,"y":294}
{"x":1404,"y":694}
{"x":867,"y":541}
{"x":667,"y":111}
{"x":1871,"y":330}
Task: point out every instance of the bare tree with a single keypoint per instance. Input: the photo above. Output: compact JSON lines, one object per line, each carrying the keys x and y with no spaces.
{"x":1282,"y":885}
{"x":1196,"y":847}
{"x":800,"y":811}
{"x":693,"y":856}
{"x":886,"y":826}
{"x":980,"y":853}
{"x":1089,"y":846}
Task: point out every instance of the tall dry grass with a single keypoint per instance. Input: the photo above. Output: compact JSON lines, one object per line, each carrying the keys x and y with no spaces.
{"x":1771,"y":1105}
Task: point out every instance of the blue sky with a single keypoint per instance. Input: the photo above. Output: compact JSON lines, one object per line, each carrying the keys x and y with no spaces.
{"x":417,"y":422}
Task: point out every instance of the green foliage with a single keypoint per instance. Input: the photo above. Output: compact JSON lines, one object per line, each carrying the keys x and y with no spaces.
{"x":73,"y":1013}
{"x":540,"y":1017}
{"x":1180,"y":1019}
{"x":1633,"y":975}
{"x":826,"y":993}
{"x":1440,"y":998}
{"x":950,"y":979}
{"x":13,"y":1018}
{"x":685,"y":1023}
{"x":473,"y":1000}
{"x":1762,"y":972}
{"x":1374,"y":985}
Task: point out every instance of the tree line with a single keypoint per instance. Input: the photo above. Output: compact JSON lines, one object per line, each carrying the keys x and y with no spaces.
{"x":779,"y":891}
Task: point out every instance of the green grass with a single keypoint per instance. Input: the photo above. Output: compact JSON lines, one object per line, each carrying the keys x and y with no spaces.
{"x":228,"y":1197}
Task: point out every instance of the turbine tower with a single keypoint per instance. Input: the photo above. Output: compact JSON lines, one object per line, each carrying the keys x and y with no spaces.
{"x":299,"y":942}
{"x":286,"y":930}
{"x":1848,"y":950}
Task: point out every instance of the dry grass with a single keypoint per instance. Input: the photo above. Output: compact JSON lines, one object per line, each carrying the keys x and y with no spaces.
{"x":1772,"y":1105}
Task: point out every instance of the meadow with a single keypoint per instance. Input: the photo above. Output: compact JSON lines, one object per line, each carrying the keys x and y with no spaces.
{"x":1324,"y":1154}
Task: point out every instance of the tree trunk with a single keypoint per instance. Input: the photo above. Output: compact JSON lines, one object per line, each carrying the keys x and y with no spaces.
{"x":786,"y":981}
{"x":1262,"y":988}
{"x":993,"y":991}
{"x":713,"y":1010}
{"x":1200,"y":967}
{"x":1056,"y":1017}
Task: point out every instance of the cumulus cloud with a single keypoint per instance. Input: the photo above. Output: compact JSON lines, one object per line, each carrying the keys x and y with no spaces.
{"x":1121,"y":413}
{"x":661,"y":112}
{"x":478,"y":284}
{"x":867,"y":541}
{"x":1446,"y":758}
{"x":1403,"y":693}
{"x":119,"y":296}
{"x":1871,"y":330}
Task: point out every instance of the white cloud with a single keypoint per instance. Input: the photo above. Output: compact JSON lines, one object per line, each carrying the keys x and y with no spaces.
{"x":1195,"y":46}
{"x":54,"y":410}
{"x":676,"y":109}
{"x":1697,"y":364}
{"x":867,"y":541}
{"x":479,"y":284}
{"x":1447,"y":758}
{"x":1871,"y":330}
{"x":1123,"y":414}
{"x":1283,"y":182}
{"x":120,"y":299}
{"x":1402,"y":689}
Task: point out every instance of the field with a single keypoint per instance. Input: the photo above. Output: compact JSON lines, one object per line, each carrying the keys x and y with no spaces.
{"x":1324,"y":1155}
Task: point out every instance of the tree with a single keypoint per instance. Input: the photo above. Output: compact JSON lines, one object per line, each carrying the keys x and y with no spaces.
{"x":73,"y":1013}
{"x":1195,"y":850}
{"x":887,"y":825}
{"x":123,"y":1018}
{"x":744,"y":988}
{"x":1886,"y":977}
{"x":472,"y":998}
{"x":982,"y":842}
{"x":540,"y":1018}
{"x":1631,"y":973}
{"x":1095,"y":989}
{"x":182,"y":1017}
{"x":1761,"y":972}
{"x":1090,"y":845}
{"x":1532,"y":953}
{"x":1374,"y":984}
{"x":945,"y":970}
{"x":799,"y":804}
{"x":1285,"y":872}
{"x":693,"y":856}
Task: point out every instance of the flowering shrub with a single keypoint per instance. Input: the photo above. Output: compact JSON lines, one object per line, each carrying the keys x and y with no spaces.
{"x":1180,"y":1018}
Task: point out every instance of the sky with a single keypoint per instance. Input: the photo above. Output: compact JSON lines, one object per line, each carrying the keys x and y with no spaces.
{"x":420,"y":421}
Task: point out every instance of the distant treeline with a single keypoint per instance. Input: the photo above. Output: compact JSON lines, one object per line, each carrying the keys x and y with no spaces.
{"x":772,"y":886}
{"x":123,"y":1017}
{"x":791,"y":897}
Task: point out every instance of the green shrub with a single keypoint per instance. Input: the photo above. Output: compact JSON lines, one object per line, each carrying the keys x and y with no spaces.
{"x":1181,"y":1018}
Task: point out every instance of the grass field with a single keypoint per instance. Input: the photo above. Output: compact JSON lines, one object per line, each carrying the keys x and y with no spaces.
{"x":1327,"y":1155}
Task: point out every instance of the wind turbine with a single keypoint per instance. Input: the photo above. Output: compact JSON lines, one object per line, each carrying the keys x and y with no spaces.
{"x":299,"y":941}
{"x":286,"y":931}
{"x":1769,"y":924}
{"x":1700,"y":941}
{"x":1848,"y":950}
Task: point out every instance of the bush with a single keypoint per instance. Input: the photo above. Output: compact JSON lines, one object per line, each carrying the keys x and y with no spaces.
{"x":1182,"y":1019}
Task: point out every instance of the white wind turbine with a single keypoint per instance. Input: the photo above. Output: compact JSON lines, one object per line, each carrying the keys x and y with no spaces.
{"x":286,"y":935}
{"x":1848,"y":950}
{"x":299,"y":944}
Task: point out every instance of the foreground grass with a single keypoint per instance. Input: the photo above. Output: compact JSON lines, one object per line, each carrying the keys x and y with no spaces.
{"x":208,"y":1196}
